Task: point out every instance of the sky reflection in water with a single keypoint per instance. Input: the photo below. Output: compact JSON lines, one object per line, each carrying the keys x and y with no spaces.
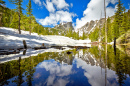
{"x":80,"y":73}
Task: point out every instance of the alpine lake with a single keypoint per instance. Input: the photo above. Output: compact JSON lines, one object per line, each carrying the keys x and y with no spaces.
{"x":74,"y":67}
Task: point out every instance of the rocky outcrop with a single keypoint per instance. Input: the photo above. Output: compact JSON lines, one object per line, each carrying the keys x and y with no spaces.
{"x":90,"y":26}
{"x":64,"y":26}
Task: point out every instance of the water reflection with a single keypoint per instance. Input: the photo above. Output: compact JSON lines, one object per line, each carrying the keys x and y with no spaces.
{"x":86,"y":67}
{"x":19,"y":79}
{"x":24,"y":52}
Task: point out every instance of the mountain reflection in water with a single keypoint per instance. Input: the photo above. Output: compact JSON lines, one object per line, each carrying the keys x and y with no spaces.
{"x":86,"y":67}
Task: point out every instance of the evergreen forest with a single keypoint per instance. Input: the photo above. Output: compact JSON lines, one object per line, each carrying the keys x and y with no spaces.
{"x":117,"y":25}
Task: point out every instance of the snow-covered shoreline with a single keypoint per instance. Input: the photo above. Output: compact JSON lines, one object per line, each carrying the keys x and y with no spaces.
{"x":10,"y":38}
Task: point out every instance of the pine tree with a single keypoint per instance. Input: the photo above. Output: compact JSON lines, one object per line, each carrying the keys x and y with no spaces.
{"x":69,"y":32}
{"x":24,"y":22}
{"x":14,"y":21}
{"x":83,"y":36}
{"x":33,"y":23}
{"x":109,"y":34}
{"x":103,"y":33}
{"x":78,"y":35}
{"x":118,"y":19}
{"x":128,"y":19}
{"x":2,"y":3}
{"x":112,"y":30}
{"x":29,"y":13}
{"x":124,"y":24}
{"x":94,"y":36}
{"x":18,"y":3}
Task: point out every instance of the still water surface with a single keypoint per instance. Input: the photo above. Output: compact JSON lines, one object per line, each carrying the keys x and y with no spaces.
{"x":84,"y":67}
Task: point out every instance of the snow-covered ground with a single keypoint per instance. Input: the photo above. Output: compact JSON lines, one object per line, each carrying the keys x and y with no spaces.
{"x":9,"y":38}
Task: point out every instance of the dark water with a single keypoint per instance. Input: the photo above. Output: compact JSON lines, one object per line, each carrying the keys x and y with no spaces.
{"x":85,"y":67}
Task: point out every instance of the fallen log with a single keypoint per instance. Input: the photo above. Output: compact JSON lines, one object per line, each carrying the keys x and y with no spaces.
{"x":78,"y":47}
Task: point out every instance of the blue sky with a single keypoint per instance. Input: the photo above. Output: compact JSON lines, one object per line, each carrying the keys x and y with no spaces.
{"x":52,"y":12}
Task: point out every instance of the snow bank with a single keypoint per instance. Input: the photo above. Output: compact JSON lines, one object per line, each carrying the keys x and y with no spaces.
{"x":10,"y":38}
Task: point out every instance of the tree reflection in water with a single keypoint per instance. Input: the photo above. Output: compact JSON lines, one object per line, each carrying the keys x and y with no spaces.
{"x":96,"y":65}
{"x":19,"y":79}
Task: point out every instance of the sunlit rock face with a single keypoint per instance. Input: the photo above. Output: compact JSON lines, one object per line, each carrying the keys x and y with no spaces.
{"x":92,"y":25}
{"x":64,"y":26}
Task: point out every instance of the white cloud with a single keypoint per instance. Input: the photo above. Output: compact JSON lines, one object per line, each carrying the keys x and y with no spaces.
{"x":110,"y":11}
{"x":49,"y":6}
{"x":59,"y":16}
{"x":55,"y":71}
{"x":71,"y":5}
{"x":59,"y":74}
{"x":113,"y":1}
{"x":94,"y":75}
{"x":58,"y":12}
{"x":93,"y":11}
{"x":37,"y":2}
{"x":60,"y":4}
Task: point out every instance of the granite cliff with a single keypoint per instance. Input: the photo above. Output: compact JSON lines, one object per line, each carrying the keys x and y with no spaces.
{"x":90,"y":26}
{"x":64,"y":26}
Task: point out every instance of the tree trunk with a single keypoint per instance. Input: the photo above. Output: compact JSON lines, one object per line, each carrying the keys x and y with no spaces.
{"x":19,"y":23}
{"x":1,"y":15}
{"x":0,"y":21}
{"x":30,"y":26}
{"x":19,"y":16}
{"x":125,"y":36}
{"x":114,"y":41}
{"x":105,"y":22}
{"x":30,"y":30}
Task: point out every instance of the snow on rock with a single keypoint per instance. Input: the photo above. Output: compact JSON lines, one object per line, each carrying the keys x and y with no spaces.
{"x":92,"y":29}
{"x":9,"y":38}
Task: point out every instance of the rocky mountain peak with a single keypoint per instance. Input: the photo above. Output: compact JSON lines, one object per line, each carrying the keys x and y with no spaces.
{"x":64,"y":26}
{"x":90,"y":26}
